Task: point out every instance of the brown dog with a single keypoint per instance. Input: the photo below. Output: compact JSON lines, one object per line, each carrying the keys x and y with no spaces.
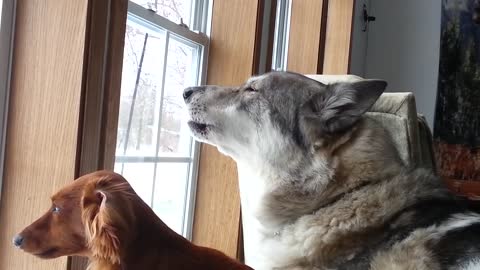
{"x":100,"y":216}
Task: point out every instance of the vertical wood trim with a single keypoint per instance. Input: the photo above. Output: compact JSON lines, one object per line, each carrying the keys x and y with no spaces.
{"x":102,"y":85}
{"x":43,"y":121}
{"x":264,"y":36}
{"x":113,"y":83}
{"x":240,"y":243}
{"x":257,"y":50}
{"x":217,"y":208}
{"x":305,"y":45}
{"x":338,"y":36}
{"x":102,"y":82}
{"x":323,"y":37}
{"x":96,"y":41}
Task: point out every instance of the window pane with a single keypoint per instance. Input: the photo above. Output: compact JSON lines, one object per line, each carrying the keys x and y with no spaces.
{"x":282,"y":28}
{"x":140,"y":177}
{"x":141,"y":91}
{"x":170,"y":193}
{"x":170,"y":9}
{"x":182,"y":70}
{"x":154,"y":146}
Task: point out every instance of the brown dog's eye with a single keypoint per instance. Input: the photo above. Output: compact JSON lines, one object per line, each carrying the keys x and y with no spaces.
{"x":56,"y":209}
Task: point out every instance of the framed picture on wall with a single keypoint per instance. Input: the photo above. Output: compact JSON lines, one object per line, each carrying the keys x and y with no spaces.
{"x":457,"y":115}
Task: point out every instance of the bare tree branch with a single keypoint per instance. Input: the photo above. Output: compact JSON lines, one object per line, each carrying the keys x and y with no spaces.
{"x":131,"y":48}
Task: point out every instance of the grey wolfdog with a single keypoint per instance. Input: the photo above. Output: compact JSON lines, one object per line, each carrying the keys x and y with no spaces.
{"x":321,"y":184}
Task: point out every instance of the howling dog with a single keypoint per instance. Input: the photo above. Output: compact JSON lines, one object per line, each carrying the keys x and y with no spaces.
{"x":321,"y":184}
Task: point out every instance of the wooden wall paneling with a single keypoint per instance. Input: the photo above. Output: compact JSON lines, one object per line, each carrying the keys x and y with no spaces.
{"x":217,"y":209}
{"x":43,"y":121}
{"x":306,"y":38}
{"x":338,"y":36}
{"x":105,"y":39}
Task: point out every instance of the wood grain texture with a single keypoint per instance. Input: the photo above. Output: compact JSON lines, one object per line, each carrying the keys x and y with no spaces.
{"x":43,"y":118}
{"x":113,"y":81}
{"x":103,"y":72}
{"x":96,"y":38}
{"x":217,"y":209}
{"x":338,"y":36}
{"x":305,"y":39}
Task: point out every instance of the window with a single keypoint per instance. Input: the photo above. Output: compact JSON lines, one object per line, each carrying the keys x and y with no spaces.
{"x":7,"y":11}
{"x":282,"y":29}
{"x":192,"y":13}
{"x":155,"y":151}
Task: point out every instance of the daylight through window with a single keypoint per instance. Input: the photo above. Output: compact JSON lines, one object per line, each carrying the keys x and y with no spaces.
{"x":155,"y":151}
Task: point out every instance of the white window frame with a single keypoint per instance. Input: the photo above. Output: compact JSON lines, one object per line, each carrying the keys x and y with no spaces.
{"x":7,"y":26}
{"x":281,"y":35}
{"x":200,"y":22}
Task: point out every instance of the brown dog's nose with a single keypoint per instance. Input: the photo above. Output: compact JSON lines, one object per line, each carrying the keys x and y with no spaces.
{"x":17,"y":240}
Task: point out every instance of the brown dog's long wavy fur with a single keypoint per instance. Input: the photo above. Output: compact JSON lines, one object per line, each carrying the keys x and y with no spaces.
{"x":101,"y":217}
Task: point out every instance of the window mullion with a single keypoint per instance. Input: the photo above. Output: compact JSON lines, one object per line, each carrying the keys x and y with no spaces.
{"x":182,"y":67}
{"x":134,"y":97}
{"x":193,"y":15}
{"x":159,"y":130}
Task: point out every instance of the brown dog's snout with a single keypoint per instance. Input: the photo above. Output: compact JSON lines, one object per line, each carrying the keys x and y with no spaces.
{"x":17,"y":240}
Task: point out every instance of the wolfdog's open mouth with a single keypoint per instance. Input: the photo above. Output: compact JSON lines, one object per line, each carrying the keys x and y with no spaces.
{"x":198,"y":127}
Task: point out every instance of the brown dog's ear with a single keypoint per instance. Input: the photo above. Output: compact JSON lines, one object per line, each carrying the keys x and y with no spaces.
{"x":339,"y":107}
{"x":102,"y":221}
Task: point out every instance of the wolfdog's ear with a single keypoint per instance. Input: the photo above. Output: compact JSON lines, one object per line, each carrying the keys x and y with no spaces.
{"x":338,"y":108}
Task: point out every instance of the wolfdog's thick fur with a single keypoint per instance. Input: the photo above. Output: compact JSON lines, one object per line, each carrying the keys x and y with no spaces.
{"x":321,"y":184}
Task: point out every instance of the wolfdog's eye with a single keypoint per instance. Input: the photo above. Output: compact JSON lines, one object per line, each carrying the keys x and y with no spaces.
{"x":55,"y":209}
{"x":250,"y":89}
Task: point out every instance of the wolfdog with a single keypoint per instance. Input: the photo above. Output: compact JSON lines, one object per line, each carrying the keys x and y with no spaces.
{"x":321,"y":184}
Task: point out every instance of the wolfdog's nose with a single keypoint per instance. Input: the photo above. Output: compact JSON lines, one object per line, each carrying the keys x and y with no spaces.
{"x":17,"y":240}
{"x":187,"y":93}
